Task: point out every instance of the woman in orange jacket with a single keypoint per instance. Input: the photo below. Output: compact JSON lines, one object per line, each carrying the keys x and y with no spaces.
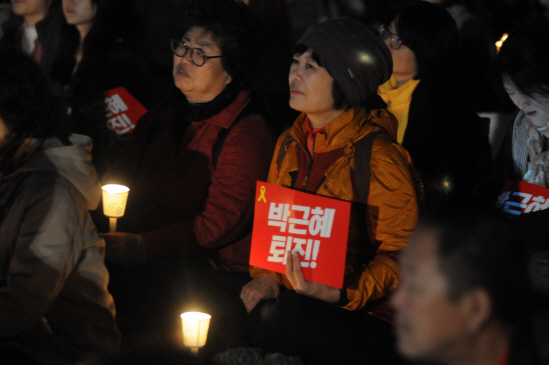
{"x":337,"y":65}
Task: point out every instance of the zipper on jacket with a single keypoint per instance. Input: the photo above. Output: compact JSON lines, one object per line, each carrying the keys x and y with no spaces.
{"x":306,"y":180}
{"x":310,"y":167}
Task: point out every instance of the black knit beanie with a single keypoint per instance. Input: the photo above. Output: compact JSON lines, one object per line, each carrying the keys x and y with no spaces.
{"x":355,"y":56}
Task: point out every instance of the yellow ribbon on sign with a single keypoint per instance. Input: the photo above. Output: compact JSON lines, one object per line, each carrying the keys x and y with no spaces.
{"x":262,"y":196}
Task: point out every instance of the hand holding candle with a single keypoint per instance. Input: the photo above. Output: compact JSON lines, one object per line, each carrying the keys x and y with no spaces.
{"x":114,"y":203}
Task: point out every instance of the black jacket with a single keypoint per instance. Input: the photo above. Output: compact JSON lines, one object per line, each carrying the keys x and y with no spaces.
{"x":445,"y":139}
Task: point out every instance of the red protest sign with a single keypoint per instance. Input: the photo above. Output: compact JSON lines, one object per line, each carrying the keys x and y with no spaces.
{"x":123,"y":110}
{"x":316,"y":227}
{"x":519,"y":197}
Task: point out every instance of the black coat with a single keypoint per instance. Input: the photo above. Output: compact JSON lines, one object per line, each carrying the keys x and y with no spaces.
{"x":534,"y":225}
{"x":49,"y":32}
{"x":445,"y":139}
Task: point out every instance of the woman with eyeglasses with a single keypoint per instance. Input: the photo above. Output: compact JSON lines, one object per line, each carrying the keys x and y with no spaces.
{"x":192,"y":166}
{"x":436,"y":123}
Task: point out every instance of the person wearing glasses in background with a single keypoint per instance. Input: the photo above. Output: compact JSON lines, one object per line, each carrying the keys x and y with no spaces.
{"x":192,"y":166}
{"x":436,"y":122}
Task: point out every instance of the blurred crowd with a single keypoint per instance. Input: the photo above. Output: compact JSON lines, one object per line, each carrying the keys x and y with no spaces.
{"x":422,"y":114}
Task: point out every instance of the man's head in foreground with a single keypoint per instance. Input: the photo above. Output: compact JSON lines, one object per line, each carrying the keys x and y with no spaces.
{"x":464,"y":284}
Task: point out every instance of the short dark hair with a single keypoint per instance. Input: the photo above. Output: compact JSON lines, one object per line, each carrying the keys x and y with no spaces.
{"x":28,"y":105}
{"x":340,"y":102}
{"x":430,"y":32}
{"x":235,"y":30}
{"x":524,"y":60}
{"x":479,"y":248}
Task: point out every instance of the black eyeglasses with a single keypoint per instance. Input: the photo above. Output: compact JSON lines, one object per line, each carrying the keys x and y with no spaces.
{"x":394,"y":40}
{"x":198,"y":57}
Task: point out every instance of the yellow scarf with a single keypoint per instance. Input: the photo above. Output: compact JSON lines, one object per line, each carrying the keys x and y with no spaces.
{"x":398,"y":102}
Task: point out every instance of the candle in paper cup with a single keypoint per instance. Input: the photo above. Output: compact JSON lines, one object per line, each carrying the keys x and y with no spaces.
{"x":114,"y":200}
{"x":195,"y":328}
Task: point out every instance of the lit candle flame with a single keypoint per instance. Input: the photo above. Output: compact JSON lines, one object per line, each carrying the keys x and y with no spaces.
{"x":500,"y":42}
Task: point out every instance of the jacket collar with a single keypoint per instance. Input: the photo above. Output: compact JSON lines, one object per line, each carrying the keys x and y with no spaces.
{"x":224,"y":119}
{"x":348,"y":128}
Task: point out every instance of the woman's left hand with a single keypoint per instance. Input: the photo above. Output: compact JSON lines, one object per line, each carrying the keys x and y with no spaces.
{"x":306,"y":287}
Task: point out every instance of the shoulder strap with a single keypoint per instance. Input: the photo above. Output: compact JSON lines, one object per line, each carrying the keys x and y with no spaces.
{"x":363,"y":155}
{"x":282,"y":150}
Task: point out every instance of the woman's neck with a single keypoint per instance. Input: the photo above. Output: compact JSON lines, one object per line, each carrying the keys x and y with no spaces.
{"x":83,"y":29}
{"x":31,"y":20}
{"x":319,"y":120}
{"x":401,"y":80}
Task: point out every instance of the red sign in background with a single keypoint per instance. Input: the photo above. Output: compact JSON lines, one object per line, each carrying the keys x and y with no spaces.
{"x":316,"y":227}
{"x":519,"y":197}
{"x":123,"y":110}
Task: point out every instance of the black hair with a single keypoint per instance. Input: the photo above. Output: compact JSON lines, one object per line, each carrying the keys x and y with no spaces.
{"x":430,"y":32}
{"x":340,"y":102}
{"x":28,"y":105}
{"x":274,"y":18}
{"x":479,"y":248}
{"x":524,"y":61}
{"x":110,"y":24}
{"x":235,"y":30}
{"x":530,"y":339}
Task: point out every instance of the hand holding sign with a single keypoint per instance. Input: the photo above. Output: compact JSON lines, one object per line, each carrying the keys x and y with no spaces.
{"x":313,"y":226}
{"x":306,"y":287}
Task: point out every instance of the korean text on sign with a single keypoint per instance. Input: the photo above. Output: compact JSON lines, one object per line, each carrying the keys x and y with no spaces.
{"x":315,"y":227}
{"x":307,"y":221}
{"x":123,"y":110}
{"x":520,"y":197}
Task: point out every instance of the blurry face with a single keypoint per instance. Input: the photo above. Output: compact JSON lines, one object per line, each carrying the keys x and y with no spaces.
{"x":200,"y":84}
{"x":429,"y":325}
{"x":536,"y":109}
{"x":404,"y":59}
{"x":30,"y":7}
{"x":79,"y":12}
{"x":310,"y":86}
{"x":3,"y":134}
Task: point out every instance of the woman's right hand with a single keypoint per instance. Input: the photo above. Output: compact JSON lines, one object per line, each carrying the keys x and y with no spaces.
{"x":262,"y":287}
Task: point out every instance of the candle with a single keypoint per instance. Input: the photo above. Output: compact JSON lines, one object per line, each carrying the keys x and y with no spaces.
{"x":114,"y":203}
{"x":195,"y":329}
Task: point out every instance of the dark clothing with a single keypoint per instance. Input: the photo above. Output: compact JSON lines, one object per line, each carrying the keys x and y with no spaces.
{"x":191,"y":199}
{"x":505,"y":168}
{"x":114,"y":66}
{"x":180,"y":201}
{"x":49,"y":32}
{"x":444,"y":138}
{"x":502,"y":170}
{"x":271,"y":80}
{"x":54,"y":303}
{"x":216,"y":292}
{"x":314,"y":329}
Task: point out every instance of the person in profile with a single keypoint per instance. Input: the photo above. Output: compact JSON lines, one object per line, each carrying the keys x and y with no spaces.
{"x":464,"y":288}
{"x":320,"y":154}
{"x":192,"y":164}
{"x":54,"y":303}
